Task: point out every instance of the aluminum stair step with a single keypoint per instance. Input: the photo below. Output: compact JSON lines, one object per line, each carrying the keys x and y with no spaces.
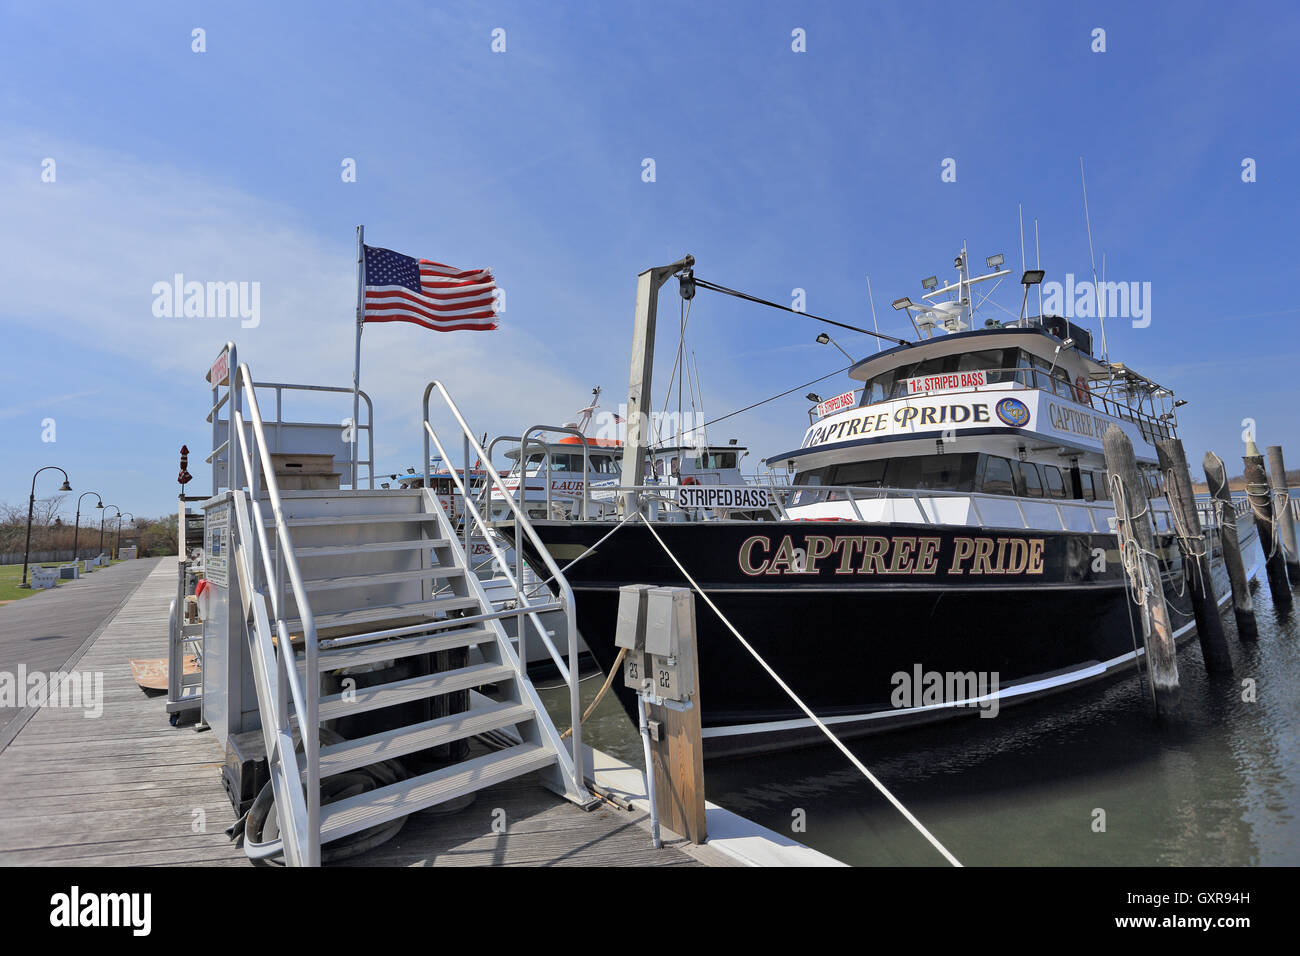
{"x":343,"y":521}
{"x":382,"y":577}
{"x":419,"y":793}
{"x":383,"y":612}
{"x":362,"y":699}
{"x":374,"y":547}
{"x":391,"y":650}
{"x":365,"y":751}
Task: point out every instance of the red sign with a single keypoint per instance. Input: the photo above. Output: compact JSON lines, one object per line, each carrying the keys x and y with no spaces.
{"x":838,"y":403}
{"x":219,"y":374}
{"x":945,"y":383}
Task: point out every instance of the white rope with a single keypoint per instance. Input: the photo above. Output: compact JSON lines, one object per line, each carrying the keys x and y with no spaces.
{"x":804,"y":707}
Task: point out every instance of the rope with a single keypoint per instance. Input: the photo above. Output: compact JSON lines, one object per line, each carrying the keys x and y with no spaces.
{"x":804,"y":707}
{"x":600,"y":695}
{"x":1130,"y":552}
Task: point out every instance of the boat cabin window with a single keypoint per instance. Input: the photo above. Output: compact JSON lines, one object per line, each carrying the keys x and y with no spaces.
{"x":1031,"y":480}
{"x":1055,"y":483}
{"x":1102,"y":485}
{"x":572,"y":461}
{"x":713,"y":460}
{"x":969,"y":471}
{"x":997,"y":478}
{"x":893,"y":384}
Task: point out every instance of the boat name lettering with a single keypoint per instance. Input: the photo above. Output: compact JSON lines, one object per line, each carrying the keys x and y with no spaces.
{"x":904,"y":418}
{"x":856,"y":554}
{"x":1076,"y":421}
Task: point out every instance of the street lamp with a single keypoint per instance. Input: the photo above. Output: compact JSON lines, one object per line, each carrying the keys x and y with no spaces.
{"x":76,"y":528}
{"x":825,"y":339}
{"x":31,"y":506}
{"x":118,"y":536}
{"x":102,"y":518}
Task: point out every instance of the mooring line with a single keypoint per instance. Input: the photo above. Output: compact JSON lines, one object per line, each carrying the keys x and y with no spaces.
{"x":802,"y":706}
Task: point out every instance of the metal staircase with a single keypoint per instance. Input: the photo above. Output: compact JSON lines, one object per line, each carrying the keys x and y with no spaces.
{"x":373,"y":594}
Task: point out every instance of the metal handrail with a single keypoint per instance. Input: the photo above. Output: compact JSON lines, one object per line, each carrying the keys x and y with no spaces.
{"x":306,"y":705}
{"x":854,"y":496}
{"x":565,"y":592}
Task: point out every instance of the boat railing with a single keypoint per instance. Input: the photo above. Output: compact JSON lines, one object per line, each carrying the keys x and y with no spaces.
{"x":927,"y":507}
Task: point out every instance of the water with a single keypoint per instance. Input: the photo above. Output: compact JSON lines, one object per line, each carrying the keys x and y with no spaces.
{"x":1219,"y":785}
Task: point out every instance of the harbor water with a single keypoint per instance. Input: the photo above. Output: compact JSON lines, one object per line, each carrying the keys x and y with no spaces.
{"x":1089,"y":777}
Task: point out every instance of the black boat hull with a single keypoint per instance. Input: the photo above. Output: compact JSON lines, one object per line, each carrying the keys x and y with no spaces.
{"x":861,"y":631}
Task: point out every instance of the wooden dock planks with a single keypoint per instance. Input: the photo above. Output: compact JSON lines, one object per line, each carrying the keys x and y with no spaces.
{"x":126,"y":789}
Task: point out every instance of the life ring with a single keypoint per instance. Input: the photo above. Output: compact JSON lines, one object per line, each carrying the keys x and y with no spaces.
{"x":1082,"y":394}
{"x":689,"y":480}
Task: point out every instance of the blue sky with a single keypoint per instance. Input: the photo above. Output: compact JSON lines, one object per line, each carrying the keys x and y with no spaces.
{"x":777,"y":170}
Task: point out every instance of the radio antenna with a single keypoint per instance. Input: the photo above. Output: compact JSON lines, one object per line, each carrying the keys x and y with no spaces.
{"x":874,"y":324}
{"x":1038,"y":264}
{"x":1101,"y":298}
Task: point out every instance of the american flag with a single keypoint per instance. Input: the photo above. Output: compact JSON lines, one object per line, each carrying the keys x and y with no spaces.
{"x":405,"y":289}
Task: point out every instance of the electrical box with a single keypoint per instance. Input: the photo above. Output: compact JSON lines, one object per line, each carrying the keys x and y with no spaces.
{"x":629,"y":633}
{"x":670,"y":619}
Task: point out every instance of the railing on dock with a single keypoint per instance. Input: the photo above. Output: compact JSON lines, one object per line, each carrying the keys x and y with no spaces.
{"x":528,"y":610}
{"x":275,"y":671}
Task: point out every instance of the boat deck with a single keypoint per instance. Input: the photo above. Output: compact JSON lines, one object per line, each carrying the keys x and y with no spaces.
{"x":127,"y":789}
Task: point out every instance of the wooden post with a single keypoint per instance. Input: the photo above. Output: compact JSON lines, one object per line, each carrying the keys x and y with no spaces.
{"x":1285,"y":521}
{"x":1133,"y":510}
{"x":1260,"y":494}
{"x":677,"y":739}
{"x":1243,"y":605}
{"x":1196,"y":556}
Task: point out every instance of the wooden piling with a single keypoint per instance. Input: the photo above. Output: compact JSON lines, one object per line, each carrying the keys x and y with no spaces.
{"x":1243,"y":605}
{"x":1285,"y":521}
{"x":677,"y":738}
{"x":1133,"y":511}
{"x":1196,"y":557}
{"x":1260,"y":494}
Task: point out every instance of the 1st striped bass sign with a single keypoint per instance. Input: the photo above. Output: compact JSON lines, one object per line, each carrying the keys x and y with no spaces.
{"x":723,"y":496}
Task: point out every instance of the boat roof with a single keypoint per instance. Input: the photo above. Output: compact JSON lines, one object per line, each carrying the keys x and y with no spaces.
{"x":970,"y":340}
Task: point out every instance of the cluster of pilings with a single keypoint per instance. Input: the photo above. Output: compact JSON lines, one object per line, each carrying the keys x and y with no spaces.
{"x":1267,"y":494}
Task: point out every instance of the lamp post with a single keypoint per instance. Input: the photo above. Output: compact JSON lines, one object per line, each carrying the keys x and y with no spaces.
{"x":118,"y":536}
{"x":102,"y":518}
{"x":31,"y":507}
{"x":76,"y":528}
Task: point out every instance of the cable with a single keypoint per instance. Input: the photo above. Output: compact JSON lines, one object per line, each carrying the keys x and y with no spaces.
{"x":738,"y":411}
{"x":705,"y":284}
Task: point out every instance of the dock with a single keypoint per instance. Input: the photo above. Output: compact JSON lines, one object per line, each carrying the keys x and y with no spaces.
{"x":126,"y":789}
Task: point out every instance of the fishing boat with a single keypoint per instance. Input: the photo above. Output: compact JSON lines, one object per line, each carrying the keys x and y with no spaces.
{"x":946,"y":545}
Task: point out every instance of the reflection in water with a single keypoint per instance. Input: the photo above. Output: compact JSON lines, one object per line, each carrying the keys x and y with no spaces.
{"x":1220,"y":784}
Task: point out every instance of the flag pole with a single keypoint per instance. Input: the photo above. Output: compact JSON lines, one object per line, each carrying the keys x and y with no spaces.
{"x":356,"y":369}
